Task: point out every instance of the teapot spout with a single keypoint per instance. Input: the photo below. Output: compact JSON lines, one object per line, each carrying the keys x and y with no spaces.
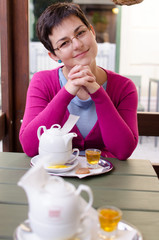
{"x":68,"y":139}
{"x":34,"y":179}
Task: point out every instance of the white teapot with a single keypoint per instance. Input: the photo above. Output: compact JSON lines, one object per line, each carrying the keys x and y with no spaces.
{"x":55,"y":211}
{"x":56,"y":144}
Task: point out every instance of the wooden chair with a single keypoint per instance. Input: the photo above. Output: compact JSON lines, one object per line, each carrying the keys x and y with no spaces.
{"x":154,"y":81}
{"x":137,"y":81}
{"x":148,"y":124}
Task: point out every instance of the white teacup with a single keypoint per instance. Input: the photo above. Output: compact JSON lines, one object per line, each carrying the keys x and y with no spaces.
{"x":54,"y":158}
{"x":54,"y":231}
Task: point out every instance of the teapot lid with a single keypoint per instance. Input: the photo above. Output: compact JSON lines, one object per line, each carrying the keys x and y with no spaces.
{"x":56,"y":130}
{"x":57,"y":186}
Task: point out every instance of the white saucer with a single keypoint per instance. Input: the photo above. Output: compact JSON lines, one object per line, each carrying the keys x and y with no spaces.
{"x":20,"y":234}
{"x":84,"y":229}
{"x":70,"y":166}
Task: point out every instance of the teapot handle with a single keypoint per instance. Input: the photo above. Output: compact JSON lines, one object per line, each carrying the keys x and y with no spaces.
{"x":39,"y":131}
{"x":90,"y":195}
{"x":76,"y":156}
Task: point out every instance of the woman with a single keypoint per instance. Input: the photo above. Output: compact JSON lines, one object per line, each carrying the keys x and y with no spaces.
{"x":105,"y":101}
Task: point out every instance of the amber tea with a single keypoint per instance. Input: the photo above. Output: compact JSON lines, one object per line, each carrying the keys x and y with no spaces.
{"x":109,"y":218}
{"x":93,"y":156}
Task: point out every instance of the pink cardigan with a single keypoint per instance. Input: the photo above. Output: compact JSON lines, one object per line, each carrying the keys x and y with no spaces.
{"x":115,"y":132}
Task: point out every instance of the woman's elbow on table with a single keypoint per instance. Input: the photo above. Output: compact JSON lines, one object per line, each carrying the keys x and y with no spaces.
{"x":29,"y":146}
{"x":124,"y":151}
{"x":123,"y":156}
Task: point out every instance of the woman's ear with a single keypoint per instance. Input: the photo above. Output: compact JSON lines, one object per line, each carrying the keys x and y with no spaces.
{"x":54,"y":57}
{"x":93,"y":31}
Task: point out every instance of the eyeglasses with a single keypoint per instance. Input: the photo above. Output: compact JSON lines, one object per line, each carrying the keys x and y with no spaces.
{"x":67,"y":42}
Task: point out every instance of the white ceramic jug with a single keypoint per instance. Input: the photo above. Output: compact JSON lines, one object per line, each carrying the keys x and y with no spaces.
{"x":56,"y":144}
{"x":55,"y":211}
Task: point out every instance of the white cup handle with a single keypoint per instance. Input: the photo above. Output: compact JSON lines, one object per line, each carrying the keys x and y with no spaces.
{"x":77,"y":154}
{"x":90,"y":195}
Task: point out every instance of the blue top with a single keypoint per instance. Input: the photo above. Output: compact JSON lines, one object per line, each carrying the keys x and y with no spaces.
{"x":83,"y":108}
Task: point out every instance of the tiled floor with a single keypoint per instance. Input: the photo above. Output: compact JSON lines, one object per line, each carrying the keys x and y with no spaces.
{"x":144,"y":150}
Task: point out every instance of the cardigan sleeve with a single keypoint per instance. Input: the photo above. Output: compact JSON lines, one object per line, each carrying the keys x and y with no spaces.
{"x":42,"y":108}
{"x":118,"y":124}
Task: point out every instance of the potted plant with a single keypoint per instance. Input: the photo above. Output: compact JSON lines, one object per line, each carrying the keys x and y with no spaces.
{"x":100,"y":22}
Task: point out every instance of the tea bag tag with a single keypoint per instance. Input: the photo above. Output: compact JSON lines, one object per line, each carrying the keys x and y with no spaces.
{"x":70,"y":123}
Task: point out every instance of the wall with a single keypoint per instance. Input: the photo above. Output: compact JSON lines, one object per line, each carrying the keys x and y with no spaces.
{"x":139,"y":48}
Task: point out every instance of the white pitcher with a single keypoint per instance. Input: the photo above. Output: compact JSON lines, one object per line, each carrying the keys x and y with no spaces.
{"x":55,"y":211}
{"x":56,"y":145}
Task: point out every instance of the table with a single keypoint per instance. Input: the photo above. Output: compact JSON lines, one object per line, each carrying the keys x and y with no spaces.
{"x":132,"y":186}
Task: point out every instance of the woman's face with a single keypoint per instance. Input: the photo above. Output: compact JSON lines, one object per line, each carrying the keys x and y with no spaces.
{"x":79,"y":51}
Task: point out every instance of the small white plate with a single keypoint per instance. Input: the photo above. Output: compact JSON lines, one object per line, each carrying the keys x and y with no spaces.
{"x":21,"y":234}
{"x":84,"y":234}
{"x":69,"y":167}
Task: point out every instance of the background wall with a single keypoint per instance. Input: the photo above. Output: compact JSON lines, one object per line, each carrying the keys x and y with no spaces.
{"x":139,"y":49}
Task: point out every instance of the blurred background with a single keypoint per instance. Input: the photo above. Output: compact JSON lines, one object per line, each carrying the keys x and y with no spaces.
{"x":127,"y":39}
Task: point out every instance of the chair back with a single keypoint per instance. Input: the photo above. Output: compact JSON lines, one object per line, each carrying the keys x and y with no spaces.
{"x":137,"y":81}
{"x":148,"y":125}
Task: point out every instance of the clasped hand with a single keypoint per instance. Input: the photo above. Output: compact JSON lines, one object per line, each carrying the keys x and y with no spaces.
{"x":81,"y":77}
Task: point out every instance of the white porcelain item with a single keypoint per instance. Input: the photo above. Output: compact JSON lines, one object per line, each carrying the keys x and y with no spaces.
{"x":54,"y":140}
{"x":70,"y":166}
{"x":55,"y":211}
{"x":57,"y":170}
{"x":84,"y":232}
{"x":55,"y":158}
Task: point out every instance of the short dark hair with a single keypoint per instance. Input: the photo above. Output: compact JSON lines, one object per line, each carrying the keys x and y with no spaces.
{"x":53,"y":16}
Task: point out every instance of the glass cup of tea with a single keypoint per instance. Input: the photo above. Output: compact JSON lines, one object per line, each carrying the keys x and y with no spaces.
{"x":92,"y":156}
{"x":109,"y":217}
